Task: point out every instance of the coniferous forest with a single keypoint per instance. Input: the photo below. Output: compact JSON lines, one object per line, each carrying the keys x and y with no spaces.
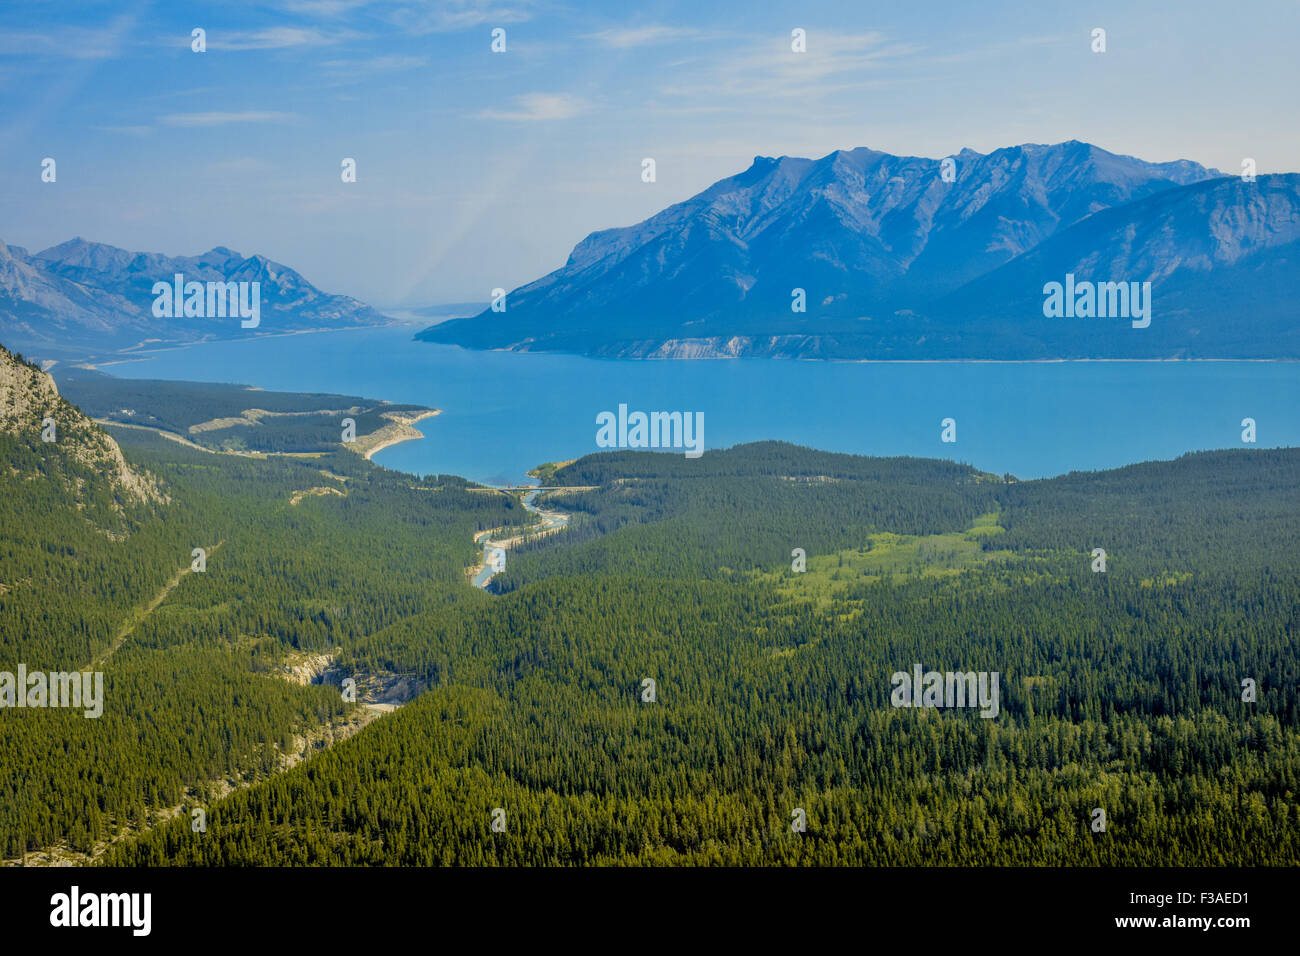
{"x":712,"y":468}
{"x":1121,"y":690}
{"x":697,"y":669}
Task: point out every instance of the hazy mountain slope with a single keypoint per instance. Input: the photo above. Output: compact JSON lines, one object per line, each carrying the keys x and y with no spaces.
{"x":864,"y":233}
{"x":82,"y":296}
{"x":1222,"y":257}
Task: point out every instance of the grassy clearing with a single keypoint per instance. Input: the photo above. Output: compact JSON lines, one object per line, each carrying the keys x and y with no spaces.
{"x":888,"y":556}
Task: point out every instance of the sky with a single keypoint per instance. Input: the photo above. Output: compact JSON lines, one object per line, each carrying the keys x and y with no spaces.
{"x":478,"y":169}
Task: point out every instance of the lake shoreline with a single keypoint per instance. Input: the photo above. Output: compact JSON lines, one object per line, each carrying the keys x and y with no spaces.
{"x":144,"y":355}
{"x":403,"y":431}
{"x":506,"y":411}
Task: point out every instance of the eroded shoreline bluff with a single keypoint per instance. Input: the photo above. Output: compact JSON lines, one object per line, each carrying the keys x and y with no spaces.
{"x":402,"y":428}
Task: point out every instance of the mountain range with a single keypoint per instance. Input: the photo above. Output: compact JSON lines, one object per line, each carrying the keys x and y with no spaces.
{"x":901,"y":257}
{"x":81,"y":296}
{"x":889,"y":257}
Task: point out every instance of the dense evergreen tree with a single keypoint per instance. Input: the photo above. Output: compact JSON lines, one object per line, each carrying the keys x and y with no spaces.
{"x":1120,"y":690}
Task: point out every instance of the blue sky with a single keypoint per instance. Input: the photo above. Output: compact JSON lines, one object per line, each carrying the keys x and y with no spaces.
{"x":478,"y":169}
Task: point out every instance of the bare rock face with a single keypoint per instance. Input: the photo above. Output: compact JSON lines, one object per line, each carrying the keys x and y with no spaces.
{"x":309,"y":669}
{"x":31,"y":408}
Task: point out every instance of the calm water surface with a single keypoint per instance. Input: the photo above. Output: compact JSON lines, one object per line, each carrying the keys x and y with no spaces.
{"x":503,"y":413}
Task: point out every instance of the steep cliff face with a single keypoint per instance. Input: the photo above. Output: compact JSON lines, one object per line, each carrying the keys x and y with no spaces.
{"x":45,"y":437}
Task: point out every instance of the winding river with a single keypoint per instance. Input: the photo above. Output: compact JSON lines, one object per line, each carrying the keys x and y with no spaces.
{"x":494,"y":550}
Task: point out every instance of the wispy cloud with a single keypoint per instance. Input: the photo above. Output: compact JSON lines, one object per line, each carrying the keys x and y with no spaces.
{"x":129,"y":130}
{"x":276,"y":38}
{"x":532,"y":107}
{"x":76,"y":43}
{"x":324,"y":8}
{"x":628,"y":37}
{"x":438,"y":16}
{"x":240,"y":165}
{"x":998,"y":49}
{"x":378,"y":64}
{"x":223,"y":119}
{"x":769,"y":71}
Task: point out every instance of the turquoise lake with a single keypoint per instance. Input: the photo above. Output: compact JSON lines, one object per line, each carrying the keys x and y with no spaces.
{"x":503,"y":412}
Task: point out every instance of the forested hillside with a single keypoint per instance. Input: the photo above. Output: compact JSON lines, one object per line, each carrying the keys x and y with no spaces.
{"x":231,"y":417}
{"x":301,"y":558}
{"x":768,"y":591}
{"x":1121,"y":690}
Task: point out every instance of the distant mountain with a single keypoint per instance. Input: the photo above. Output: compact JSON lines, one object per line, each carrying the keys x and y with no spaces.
{"x":85,"y":296}
{"x":897,"y":262}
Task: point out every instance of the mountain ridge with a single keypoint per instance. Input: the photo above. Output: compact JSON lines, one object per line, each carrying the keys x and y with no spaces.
{"x":889,"y":253}
{"x":81,"y":296}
